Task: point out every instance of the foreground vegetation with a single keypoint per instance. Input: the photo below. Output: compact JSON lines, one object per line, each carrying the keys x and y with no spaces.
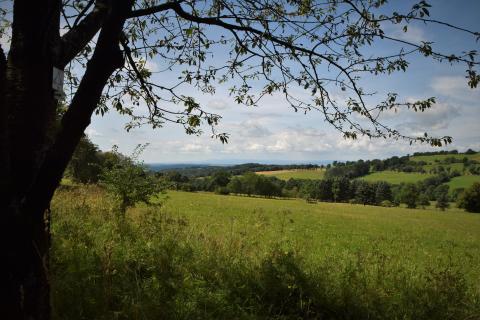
{"x":206,"y":256}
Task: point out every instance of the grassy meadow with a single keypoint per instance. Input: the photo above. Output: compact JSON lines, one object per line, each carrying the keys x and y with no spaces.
{"x":206,"y":256}
{"x":463,"y":181}
{"x":395,"y":177}
{"x":430,"y":159}
{"x":308,"y":174}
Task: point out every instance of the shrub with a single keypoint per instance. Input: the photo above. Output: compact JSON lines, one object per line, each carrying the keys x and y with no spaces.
{"x":222,"y":190}
{"x":441,"y":193}
{"x":387,"y":203}
{"x":423,"y":201}
{"x":128,"y":180}
{"x":409,"y":195}
{"x":470,"y":199}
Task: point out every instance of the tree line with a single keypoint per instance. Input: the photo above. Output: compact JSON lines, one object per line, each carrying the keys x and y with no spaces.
{"x":350,"y":169}
{"x":131,"y":181}
{"x":338,"y":189}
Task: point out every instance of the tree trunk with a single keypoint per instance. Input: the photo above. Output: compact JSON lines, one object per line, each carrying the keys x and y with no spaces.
{"x":32,"y":156}
{"x":29,"y":106}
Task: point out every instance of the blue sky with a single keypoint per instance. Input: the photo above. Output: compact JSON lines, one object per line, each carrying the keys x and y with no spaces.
{"x":273,"y":132}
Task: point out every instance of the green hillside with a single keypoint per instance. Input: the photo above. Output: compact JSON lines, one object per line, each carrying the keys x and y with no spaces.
{"x":310,"y":174}
{"x":395,"y":177}
{"x":463,"y":182}
{"x":430,"y":159}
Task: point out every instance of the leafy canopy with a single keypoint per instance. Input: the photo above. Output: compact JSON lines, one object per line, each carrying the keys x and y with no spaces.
{"x":304,"y":50}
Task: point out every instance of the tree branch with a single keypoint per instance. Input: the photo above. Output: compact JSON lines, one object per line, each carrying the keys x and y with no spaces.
{"x":410,"y":17}
{"x":83,"y":12}
{"x":106,"y":58}
{"x":80,"y":35}
{"x":131,"y":62}
{"x":154,"y":9}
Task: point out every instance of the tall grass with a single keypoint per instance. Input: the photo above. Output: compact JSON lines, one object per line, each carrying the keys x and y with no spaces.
{"x":157,"y":265}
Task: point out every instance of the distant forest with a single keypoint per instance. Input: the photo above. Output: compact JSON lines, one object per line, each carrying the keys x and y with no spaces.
{"x":340,"y":183}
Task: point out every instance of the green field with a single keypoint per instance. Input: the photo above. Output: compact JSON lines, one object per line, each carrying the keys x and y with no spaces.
{"x":329,"y":229}
{"x":295,"y":174}
{"x":395,"y":177}
{"x":463,"y":182}
{"x":434,"y":161}
{"x":207,"y":256}
{"x":453,"y":166}
{"x":440,"y":157}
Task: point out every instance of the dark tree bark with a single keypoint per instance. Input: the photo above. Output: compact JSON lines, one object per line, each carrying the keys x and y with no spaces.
{"x":29,"y":106}
{"x":33,"y":153}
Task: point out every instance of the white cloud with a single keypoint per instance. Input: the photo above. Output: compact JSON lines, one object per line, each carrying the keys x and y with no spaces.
{"x":414,"y":34}
{"x":288,"y":140}
{"x":252,"y":128}
{"x":455,"y":87}
{"x":217,"y":104}
{"x":152,"y":66}
{"x":256,"y":147}
{"x":92,"y":133}
{"x":434,"y":119}
{"x":194,"y":148}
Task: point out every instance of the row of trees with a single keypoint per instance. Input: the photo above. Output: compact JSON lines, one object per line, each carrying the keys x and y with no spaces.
{"x":128,"y":180}
{"x":337,"y":189}
{"x":442,"y":152}
{"x":207,"y":170}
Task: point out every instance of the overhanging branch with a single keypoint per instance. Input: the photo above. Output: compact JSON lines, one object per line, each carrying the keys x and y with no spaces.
{"x":81,"y":34}
{"x":154,"y":9}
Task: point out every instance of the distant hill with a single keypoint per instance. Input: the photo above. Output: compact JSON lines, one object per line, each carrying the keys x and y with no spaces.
{"x":191,"y":170}
{"x":425,"y":165}
{"x":173,"y":166}
{"x":463,"y":167}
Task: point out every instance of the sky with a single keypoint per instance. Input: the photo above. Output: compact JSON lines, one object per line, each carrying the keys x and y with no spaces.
{"x":274,"y":133}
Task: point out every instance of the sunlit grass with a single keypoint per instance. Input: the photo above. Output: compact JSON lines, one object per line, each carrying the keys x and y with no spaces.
{"x":395,"y":177}
{"x":310,"y":174}
{"x":207,"y":256}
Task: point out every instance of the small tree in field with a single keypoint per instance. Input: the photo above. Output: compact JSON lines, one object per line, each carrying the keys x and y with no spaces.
{"x":442,"y":197}
{"x":423,"y":201}
{"x":470,"y":199}
{"x":409,"y":195}
{"x":128,"y":180}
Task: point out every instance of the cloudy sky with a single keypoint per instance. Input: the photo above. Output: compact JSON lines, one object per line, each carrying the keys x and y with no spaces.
{"x":274,"y":133}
